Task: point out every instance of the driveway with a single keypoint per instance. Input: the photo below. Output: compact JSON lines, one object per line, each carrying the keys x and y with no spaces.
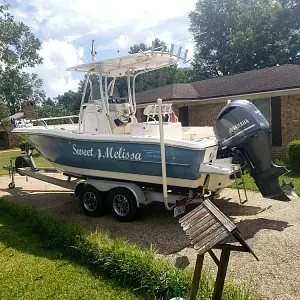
{"x":272,"y":229}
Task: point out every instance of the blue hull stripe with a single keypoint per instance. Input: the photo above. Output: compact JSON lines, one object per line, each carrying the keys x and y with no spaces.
{"x":135,"y":158}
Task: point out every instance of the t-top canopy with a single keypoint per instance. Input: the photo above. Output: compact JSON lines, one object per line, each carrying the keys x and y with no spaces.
{"x":118,"y":66}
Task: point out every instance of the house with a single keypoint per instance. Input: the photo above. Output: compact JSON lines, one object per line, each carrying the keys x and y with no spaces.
{"x":274,"y":90}
{"x":8,"y":139}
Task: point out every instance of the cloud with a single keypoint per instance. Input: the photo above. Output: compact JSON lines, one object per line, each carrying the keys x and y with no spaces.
{"x":58,"y":56}
{"x":123,"y":41}
{"x":190,"y":46}
{"x":164,"y":36}
{"x":94,"y":16}
{"x":66,"y":26}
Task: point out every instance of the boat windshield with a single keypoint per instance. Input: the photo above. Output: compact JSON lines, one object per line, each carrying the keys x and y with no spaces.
{"x":115,"y":94}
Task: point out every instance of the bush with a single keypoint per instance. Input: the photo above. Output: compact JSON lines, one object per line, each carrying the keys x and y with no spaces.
{"x":25,"y":145}
{"x":294,"y":154}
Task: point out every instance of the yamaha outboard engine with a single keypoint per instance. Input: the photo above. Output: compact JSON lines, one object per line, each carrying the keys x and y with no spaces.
{"x":242,"y":130}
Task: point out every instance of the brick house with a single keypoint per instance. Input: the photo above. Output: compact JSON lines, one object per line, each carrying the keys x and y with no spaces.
{"x":8,"y":139}
{"x":275,"y":91}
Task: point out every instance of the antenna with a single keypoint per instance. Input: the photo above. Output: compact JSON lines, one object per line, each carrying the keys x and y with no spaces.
{"x":93,"y":52}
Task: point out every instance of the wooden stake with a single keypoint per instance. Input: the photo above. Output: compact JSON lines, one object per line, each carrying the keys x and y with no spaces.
{"x":197,"y":276}
{"x":222,"y":270}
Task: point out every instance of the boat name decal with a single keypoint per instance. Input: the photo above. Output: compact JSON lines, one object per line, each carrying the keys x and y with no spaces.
{"x":82,"y":152}
{"x":109,"y":152}
{"x":238,"y":125}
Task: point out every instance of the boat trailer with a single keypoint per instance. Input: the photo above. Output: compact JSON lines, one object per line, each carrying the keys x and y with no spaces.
{"x":96,"y":194}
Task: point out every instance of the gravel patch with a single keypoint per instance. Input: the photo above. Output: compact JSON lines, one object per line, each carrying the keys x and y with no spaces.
{"x":272,"y":229}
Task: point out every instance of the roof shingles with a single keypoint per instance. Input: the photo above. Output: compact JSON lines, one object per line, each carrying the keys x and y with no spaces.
{"x":261,"y":80}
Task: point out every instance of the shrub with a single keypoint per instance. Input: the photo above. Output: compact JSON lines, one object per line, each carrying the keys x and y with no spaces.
{"x":294,"y":154}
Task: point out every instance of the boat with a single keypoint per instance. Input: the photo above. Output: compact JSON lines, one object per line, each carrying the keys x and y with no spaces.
{"x":108,"y":142}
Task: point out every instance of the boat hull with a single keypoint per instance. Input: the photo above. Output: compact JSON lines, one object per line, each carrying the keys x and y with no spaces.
{"x":132,"y":161}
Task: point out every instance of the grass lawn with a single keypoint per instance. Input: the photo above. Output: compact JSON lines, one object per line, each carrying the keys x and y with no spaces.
{"x":29,"y":270}
{"x":250,"y":184}
{"x":7,"y":155}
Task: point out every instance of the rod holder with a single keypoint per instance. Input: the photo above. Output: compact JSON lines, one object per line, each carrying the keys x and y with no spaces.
{"x":179,"y":51}
{"x":185,"y":55}
{"x":163,"y":45}
{"x":172,"y":49}
{"x":152,"y":47}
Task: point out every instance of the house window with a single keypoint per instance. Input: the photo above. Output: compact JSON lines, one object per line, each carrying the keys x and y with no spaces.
{"x":264,"y":105}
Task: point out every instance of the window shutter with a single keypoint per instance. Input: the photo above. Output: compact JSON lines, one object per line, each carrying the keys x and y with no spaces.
{"x":184,"y":115}
{"x":276,"y":121}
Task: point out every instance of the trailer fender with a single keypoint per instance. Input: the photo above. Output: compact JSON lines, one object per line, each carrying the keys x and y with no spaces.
{"x":106,"y":186}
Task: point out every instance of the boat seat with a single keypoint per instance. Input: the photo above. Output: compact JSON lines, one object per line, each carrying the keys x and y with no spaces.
{"x":171,"y":130}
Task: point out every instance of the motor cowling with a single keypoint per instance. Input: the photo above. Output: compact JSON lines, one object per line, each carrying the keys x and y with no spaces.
{"x":241,"y":128}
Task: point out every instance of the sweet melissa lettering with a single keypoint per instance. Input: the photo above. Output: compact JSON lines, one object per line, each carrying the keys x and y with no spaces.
{"x":109,"y":152}
{"x":82,"y":152}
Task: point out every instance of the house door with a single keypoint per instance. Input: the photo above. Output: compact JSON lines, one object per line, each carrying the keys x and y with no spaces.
{"x":184,"y":115}
{"x":3,"y":139}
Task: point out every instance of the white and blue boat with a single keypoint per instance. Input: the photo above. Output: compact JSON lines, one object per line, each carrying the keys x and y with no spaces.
{"x":108,"y":142}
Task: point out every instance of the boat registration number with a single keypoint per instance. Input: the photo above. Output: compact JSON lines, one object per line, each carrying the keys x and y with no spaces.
{"x":179,"y":210}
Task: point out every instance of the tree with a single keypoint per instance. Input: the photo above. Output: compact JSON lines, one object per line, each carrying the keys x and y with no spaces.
{"x":4,"y":116}
{"x":239,"y":35}
{"x":70,"y":101}
{"x":49,"y":102}
{"x":18,"y":50}
{"x":17,"y":87}
{"x":51,"y":111}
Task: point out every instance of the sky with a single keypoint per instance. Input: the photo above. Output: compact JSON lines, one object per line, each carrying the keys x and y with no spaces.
{"x":66,"y":29}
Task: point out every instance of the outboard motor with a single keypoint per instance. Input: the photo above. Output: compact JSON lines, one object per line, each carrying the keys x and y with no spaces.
{"x":241,"y":129}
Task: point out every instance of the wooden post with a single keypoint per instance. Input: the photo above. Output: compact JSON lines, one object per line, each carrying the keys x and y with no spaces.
{"x":197,"y":276}
{"x":222,"y":270}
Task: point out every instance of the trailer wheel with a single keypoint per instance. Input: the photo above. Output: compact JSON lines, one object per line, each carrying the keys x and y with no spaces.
{"x":22,"y":162}
{"x":12,"y":185}
{"x":91,"y":201}
{"x":123,"y":204}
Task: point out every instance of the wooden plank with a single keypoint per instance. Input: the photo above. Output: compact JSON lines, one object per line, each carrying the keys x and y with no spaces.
{"x":197,"y":276}
{"x":210,"y":244}
{"x":231,"y":247}
{"x":213,"y":256}
{"x":218,"y":214}
{"x":207,"y":229}
{"x":200,"y":211}
{"x":201,"y":228}
{"x":208,"y":239}
{"x":200,"y":224}
{"x":188,"y":215}
{"x":188,"y":224}
{"x":207,"y":235}
{"x":222,"y":270}
{"x":195,"y":216}
{"x":241,"y":240}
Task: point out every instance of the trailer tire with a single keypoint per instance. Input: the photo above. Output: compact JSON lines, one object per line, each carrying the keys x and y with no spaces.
{"x":12,"y":185}
{"x":123,"y":204}
{"x":22,"y":162}
{"x":91,"y":201}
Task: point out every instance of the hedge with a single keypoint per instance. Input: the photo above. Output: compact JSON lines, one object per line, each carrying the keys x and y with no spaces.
{"x":294,"y":154}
